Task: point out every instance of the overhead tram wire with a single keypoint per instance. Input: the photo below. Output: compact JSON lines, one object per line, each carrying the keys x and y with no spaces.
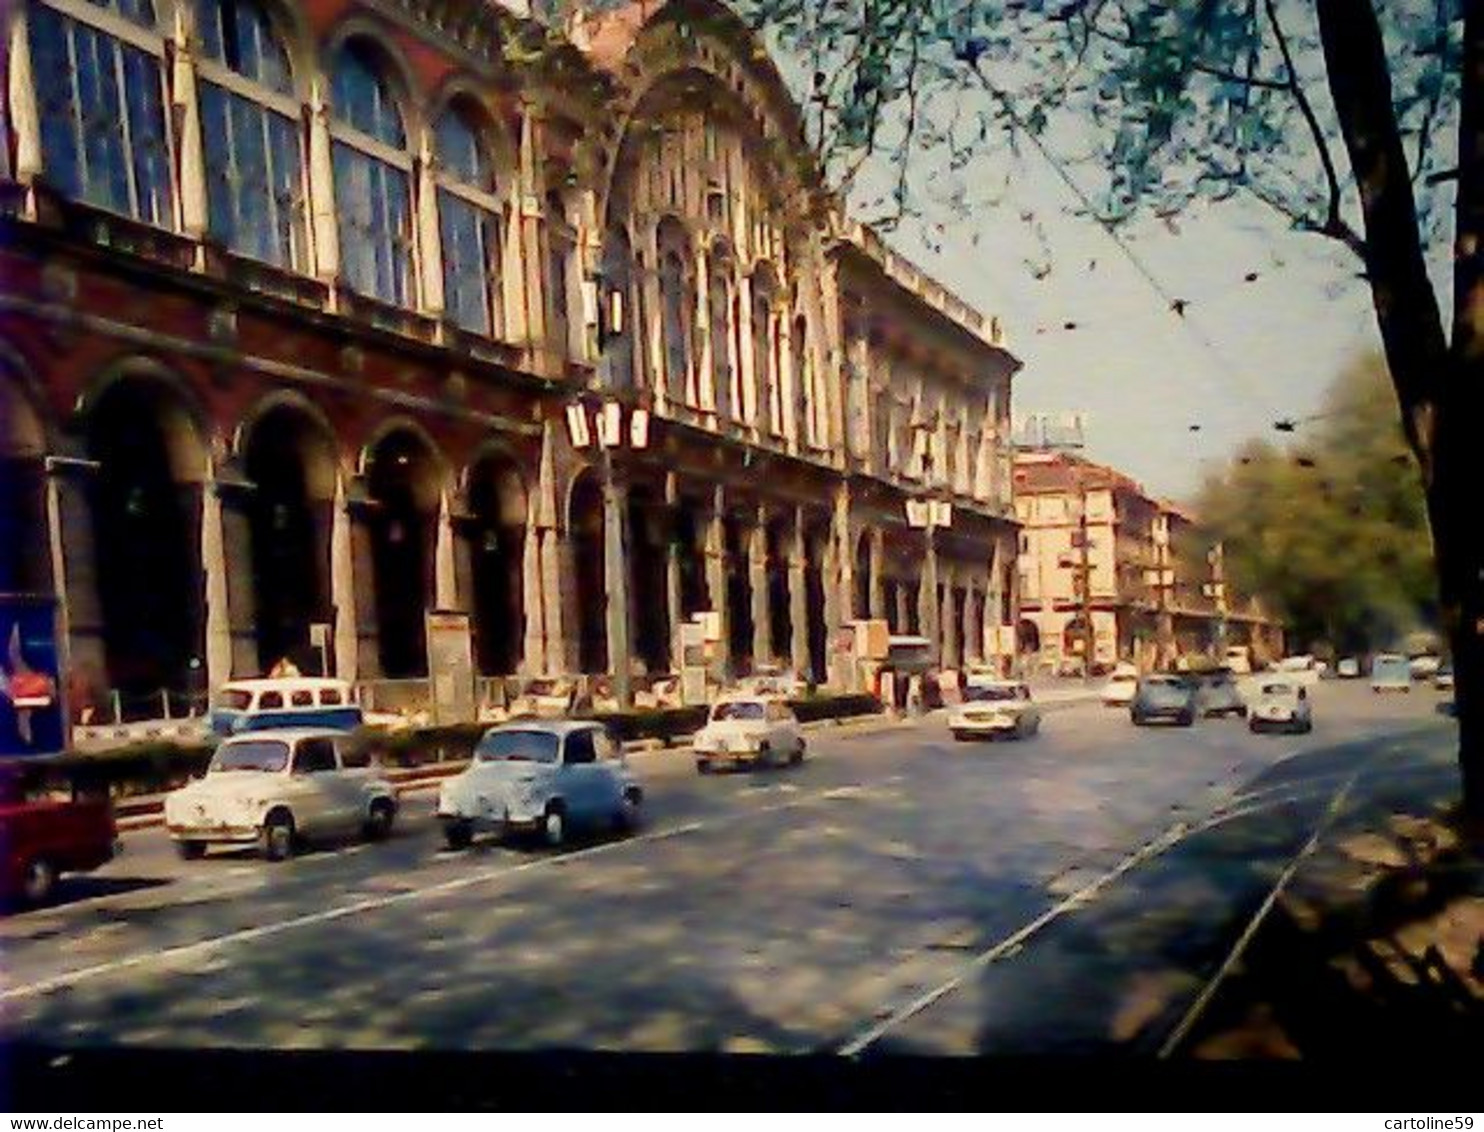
{"x":1171,"y":300}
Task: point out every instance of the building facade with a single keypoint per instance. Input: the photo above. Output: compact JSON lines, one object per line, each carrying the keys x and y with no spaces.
{"x":1112,"y":573}
{"x":319,"y":315}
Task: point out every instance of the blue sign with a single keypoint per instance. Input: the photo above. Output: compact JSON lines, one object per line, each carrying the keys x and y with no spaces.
{"x":31,"y":719}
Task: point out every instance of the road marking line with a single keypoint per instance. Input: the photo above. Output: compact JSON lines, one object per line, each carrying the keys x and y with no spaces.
{"x":376,"y":903}
{"x":1012,"y":943}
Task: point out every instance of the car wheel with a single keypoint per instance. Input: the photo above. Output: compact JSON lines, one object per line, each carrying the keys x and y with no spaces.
{"x":703,"y":766}
{"x":798,"y":755}
{"x":1241,"y":713}
{"x":1136,"y":719}
{"x":38,"y":879}
{"x":554,"y":825}
{"x":379,"y":819}
{"x":1186,"y":720}
{"x":190,"y":850}
{"x":627,"y":818}
{"x":458,"y":834}
{"x":276,"y":838}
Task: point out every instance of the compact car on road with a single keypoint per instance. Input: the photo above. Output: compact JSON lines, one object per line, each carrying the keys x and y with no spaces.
{"x":1281,"y":705}
{"x":1121,"y":686}
{"x":42,"y":839}
{"x":279,"y":789}
{"x":1391,"y":672}
{"x":543,"y":777}
{"x":995,"y":709}
{"x":1217,"y":694}
{"x":1167,"y":697}
{"x":749,"y":731}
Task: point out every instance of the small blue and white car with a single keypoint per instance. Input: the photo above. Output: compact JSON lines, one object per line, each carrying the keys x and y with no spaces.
{"x":285,"y":701}
{"x":547,"y":777}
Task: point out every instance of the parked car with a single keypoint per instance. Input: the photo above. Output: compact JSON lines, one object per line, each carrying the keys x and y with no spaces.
{"x":40,"y":840}
{"x":278,"y":789}
{"x":1390,"y":672}
{"x":1303,"y":669}
{"x":1348,"y":668}
{"x":747,"y":731}
{"x":991,"y":709}
{"x":1424,"y":667}
{"x":1281,"y":705}
{"x":1164,"y":696}
{"x":1121,"y":686}
{"x":543,"y":777}
{"x":288,"y":701}
{"x":1443,"y":678}
{"x":1217,"y":694}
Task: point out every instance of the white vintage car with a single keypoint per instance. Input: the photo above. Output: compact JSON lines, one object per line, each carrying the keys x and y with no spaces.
{"x":994,"y":708}
{"x":546,"y":777}
{"x":278,"y":789}
{"x":1281,"y":704}
{"x":748,"y":730}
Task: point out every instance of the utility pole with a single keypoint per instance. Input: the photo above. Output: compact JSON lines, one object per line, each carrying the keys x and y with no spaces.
{"x":1083,"y":581}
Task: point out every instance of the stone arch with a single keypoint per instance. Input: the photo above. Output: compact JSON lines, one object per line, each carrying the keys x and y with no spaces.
{"x":460,"y":92}
{"x":1027,"y":637}
{"x":294,"y":33}
{"x":405,"y":479}
{"x":144,"y":432}
{"x":497,"y":502}
{"x":290,"y":456}
{"x":585,"y":531}
{"x":367,"y":34}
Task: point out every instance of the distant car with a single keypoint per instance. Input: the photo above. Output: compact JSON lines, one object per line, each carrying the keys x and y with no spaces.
{"x":543,"y":777}
{"x":1424,"y":667}
{"x":1348,"y":668}
{"x":1391,"y":673}
{"x":41,"y":840}
{"x":1164,"y":696}
{"x":1121,"y":686}
{"x":277,"y":789}
{"x":1442,"y":679}
{"x":747,"y":731}
{"x":995,"y":708}
{"x":1281,"y":705}
{"x":1217,"y":694}
{"x":1302,"y":669}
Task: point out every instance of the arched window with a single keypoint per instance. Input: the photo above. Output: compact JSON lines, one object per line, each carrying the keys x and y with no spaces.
{"x":100,"y":96}
{"x":617,"y":319}
{"x":675,"y":306}
{"x":719,"y":282}
{"x":469,"y":220}
{"x":762,"y":350}
{"x":561,"y":241}
{"x":372,"y":174}
{"x":250,"y":127}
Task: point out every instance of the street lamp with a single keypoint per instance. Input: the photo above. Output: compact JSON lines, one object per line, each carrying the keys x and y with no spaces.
{"x":603,"y":419}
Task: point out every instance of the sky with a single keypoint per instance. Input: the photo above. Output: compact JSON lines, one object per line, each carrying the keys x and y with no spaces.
{"x":1244,"y":355}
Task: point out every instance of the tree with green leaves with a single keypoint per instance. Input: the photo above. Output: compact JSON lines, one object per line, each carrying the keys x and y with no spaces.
{"x":1361,"y":121}
{"x":1331,"y":529}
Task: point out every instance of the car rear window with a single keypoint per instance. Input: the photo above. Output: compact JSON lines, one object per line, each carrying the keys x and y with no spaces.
{"x":989,"y":693}
{"x":518,"y":746}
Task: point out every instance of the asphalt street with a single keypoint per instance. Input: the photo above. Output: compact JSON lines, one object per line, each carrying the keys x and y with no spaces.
{"x":899,"y":891}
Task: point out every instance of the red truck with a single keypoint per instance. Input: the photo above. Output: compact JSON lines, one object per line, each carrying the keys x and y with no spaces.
{"x":42,"y":839}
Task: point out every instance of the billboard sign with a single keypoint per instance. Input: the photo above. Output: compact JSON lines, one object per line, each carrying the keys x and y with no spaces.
{"x":32,"y":713}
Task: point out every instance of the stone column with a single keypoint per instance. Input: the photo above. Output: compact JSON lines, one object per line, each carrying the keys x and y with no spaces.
{"x":788,"y":423}
{"x":429,"y":235}
{"x":716,"y":575}
{"x":672,"y":571}
{"x":747,"y":384}
{"x":343,"y":586}
{"x":798,"y":595}
{"x":757,"y":574}
{"x":322,"y":211}
{"x":701,"y":324}
{"x":445,"y":563}
{"x":952,"y":658}
{"x":194,"y":218}
{"x":615,"y":578}
{"x":927,"y":597}
{"x":528,"y":209}
{"x":547,"y":549}
{"x":214,"y":573}
{"x":25,"y":118}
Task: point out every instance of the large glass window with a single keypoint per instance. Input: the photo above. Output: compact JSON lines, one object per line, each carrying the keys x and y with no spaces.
{"x":675,"y":306}
{"x":469,"y":222}
{"x":560,"y":244}
{"x":617,"y":319}
{"x":250,"y":127}
{"x":100,"y":96}
{"x":372,"y":174}
{"x":719,"y":280}
{"x":768,"y":417}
